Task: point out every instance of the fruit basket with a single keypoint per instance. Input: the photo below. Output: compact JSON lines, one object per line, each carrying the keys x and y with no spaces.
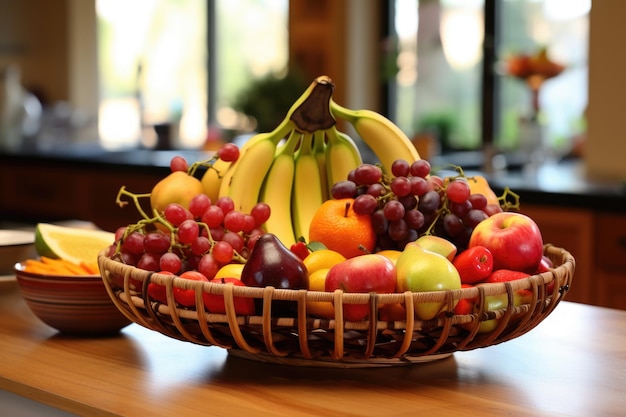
{"x":305,"y":340}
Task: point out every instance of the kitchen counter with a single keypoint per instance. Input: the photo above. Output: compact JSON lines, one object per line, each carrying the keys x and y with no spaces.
{"x":586,"y":216}
{"x":572,"y":364}
{"x":560,"y":184}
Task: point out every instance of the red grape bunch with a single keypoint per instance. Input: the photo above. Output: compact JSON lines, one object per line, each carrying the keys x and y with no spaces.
{"x":412,"y":203}
{"x":204,"y":236}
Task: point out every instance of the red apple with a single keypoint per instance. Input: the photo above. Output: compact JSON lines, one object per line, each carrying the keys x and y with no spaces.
{"x":544,"y":265}
{"x":214,"y":303}
{"x":362,"y":274}
{"x":514,"y":240}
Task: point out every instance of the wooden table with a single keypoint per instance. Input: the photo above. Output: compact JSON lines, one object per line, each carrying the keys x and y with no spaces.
{"x":572,"y":364}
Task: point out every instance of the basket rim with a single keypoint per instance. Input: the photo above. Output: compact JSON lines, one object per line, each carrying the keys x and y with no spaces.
{"x":336,"y":340}
{"x":487,"y":289}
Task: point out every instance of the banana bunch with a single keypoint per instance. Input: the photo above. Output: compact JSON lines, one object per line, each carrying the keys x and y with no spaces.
{"x":294,"y":167}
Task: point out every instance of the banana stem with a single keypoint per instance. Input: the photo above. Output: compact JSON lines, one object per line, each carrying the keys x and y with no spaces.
{"x":314,"y":112}
{"x":319,"y":142}
{"x":293,"y":142}
{"x":306,"y":146}
{"x":342,"y":112}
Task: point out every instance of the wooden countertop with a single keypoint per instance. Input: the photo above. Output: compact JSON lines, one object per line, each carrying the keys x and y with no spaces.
{"x":572,"y":364}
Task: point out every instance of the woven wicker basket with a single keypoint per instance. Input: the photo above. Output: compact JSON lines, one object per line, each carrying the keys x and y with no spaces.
{"x":310,"y":341}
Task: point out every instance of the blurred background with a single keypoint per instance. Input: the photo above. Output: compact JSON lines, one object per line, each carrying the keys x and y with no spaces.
{"x":96,"y":94}
{"x":124,"y":73}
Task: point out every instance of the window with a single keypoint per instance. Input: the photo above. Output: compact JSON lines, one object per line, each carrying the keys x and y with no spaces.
{"x":438,"y":84}
{"x":177,"y":65}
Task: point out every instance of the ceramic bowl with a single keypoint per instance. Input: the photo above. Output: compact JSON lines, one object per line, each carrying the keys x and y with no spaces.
{"x":15,"y":245}
{"x":76,"y":305}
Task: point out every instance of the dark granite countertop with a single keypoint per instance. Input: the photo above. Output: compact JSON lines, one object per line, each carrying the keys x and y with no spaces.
{"x":564,"y":183}
{"x":558,"y":184}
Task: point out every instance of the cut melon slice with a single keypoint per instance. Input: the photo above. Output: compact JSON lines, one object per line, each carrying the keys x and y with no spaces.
{"x":70,"y":243}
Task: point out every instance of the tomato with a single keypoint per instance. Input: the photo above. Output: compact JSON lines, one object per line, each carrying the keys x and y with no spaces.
{"x":157,"y":291}
{"x":503,"y":275}
{"x":465,"y":305}
{"x":187,"y":298}
{"x":474,"y":264}
{"x":300,"y":249}
{"x":214,"y":303}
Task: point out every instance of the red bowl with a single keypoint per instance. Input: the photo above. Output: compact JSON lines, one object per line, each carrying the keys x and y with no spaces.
{"x":76,"y":305}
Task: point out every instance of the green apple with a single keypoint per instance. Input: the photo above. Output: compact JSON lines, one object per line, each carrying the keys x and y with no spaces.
{"x":491,"y":303}
{"x":421,"y":270}
{"x":438,"y":245}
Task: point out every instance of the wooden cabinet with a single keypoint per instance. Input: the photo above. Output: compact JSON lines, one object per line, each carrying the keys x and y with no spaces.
{"x":597,"y":240}
{"x":610,"y":255}
{"x":42,"y":191}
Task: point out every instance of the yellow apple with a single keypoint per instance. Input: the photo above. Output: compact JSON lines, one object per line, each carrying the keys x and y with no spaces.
{"x":421,"y":270}
{"x":439,"y":245}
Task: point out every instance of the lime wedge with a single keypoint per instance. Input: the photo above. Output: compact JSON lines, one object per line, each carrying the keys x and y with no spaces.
{"x":71,"y":243}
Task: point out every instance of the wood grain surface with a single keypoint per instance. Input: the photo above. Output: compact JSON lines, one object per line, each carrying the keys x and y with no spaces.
{"x":572,"y":364}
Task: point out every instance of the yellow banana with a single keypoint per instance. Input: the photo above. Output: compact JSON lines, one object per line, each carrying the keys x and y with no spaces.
{"x":232,"y":184}
{"x":246,"y":181}
{"x":385,"y":139}
{"x":342,"y":156}
{"x":277,"y":188}
{"x":242,"y":180}
{"x":212,"y":178}
{"x":307,"y":195}
{"x":319,"y":151}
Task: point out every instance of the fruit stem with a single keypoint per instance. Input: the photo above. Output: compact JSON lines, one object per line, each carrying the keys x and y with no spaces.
{"x":314,"y":112}
{"x":206,"y":163}
{"x":343,"y":112}
{"x":134,"y":197}
{"x":508,"y":205}
{"x":345,"y":213}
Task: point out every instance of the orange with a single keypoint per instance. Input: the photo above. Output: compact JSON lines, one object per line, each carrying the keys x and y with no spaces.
{"x":390,"y":254}
{"x":339,"y":228}
{"x":317,"y":282}
{"x":322,"y":258}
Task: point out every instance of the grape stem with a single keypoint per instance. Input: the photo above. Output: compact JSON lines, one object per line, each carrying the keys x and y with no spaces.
{"x":208,"y":163}
{"x":134,"y":197}
{"x":509,"y":205}
{"x":158,"y":218}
